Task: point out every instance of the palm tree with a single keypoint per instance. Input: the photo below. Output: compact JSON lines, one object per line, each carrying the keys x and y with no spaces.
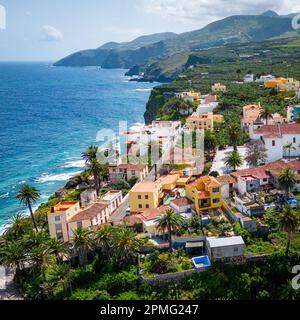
{"x":39,"y":257}
{"x":82,"y":243}
{"x":90,"y":157}
{"x":59,"y":249}
{"x":35,"y":239}
{"x":103,"y":237}
{"x":17,"y":226}
{"x":12,"y":254}
{"x":125,"y":244}
{"x":62,"y":275}
{"x":233,"y":160}
{"x":234,"y":133}
{"x":90,"y":154}
{"x":287,"y":180}
{"x":266,"y":114}
{"x":210,"y":142}
{"x":28,"y":196}
{"x":289,"y":146}
{"x":171,"y":222}
{"x":289,"y":222}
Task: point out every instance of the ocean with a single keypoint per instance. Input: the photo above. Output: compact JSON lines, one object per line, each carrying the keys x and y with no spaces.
{"x":49,"y":116}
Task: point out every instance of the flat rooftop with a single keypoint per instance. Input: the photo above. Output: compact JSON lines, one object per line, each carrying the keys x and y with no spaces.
{"x":63,"y":206}
{"x":225,"y":241}
{"x":111,"y":195}
{"x":145,"y":186}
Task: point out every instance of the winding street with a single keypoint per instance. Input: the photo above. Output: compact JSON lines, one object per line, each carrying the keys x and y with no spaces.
{"x":8,"y":289}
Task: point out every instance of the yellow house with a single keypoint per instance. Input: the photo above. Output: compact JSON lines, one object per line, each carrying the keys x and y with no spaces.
{"x":205,"y":194}
{"x":218,"y":87}
{"x":191,"y":96}
{"x":203,"y":121}
{"x":292,"y":84}
{"x":145,"y":195}
{"x":275,"y":82}
{"x":58,"y":218}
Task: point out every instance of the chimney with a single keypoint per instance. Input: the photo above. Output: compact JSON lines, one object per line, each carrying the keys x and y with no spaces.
{"x":52,"y":209}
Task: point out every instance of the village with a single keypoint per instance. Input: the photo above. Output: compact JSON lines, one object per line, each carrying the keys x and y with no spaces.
{"x":169,"y":197}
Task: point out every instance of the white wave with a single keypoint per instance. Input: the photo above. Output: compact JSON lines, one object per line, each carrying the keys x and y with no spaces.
{"x":22,"y":182}
{"x":75,"y":164}
{"x":143,"y":90}
{"x":4,"y":195}
{"x":57,"y":177}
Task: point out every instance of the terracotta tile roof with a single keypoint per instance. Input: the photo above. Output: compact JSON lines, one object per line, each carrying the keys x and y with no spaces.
{"x":89,"y":213}
{"x":279,"y":130}
{"x":130,"y":166}
{"x":210,"y":181}
{"x":203,"y":194}
{"x":262,"y":172}
{"x":63,"y":206}
{"x":169,"y":179}
{"x":226,"y":179}
{"x":248,"y":120}
{"x":151,"y":214}
{"x":181,"y":202}
{"x":210,"y":99}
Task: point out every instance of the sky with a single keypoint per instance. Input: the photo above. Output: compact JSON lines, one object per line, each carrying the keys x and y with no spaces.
{"x":47,"y":30}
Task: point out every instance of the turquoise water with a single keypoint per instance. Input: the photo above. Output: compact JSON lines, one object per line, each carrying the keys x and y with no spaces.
{"x":50,"y":115}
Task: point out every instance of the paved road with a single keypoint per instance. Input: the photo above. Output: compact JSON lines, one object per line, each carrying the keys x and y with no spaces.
{"x":8,"y":289}
{"x":120,"y":213}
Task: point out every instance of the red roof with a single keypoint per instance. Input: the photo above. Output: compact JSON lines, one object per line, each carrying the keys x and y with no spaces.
{"x":149,"y":214}
{"x":278,"y":130}
{"x":131,"y":166}
{"x":226,"y":179}
{"x":262,"y":172}
{"x":210,"y":99}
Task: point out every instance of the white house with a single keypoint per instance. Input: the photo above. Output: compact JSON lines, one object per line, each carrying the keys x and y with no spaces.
{"x":228,"y":247}
{"x":208,"y":104}
{"x":181,"y":205}
{"x":249,"y":78}
{"x":275,"y":137}
{"x":265,"y":78}
{"x":157,"y":131}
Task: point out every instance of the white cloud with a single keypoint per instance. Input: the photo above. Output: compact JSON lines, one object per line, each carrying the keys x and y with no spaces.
{"x":203,"y":10}
{"x":51,"y":34}
{"x":2,"y":18}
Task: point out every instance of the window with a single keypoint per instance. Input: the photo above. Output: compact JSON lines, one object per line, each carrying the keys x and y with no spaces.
{"x":294,"y":140}
{"x":265,"y":180}
{"x":57,"y":218}
{"x":147,"y":206}
{"x":146,"y":197}
{"x":58,"y":227}
{"x":235,"y":249}
{"x":273,"y":143}
{"x":215,"y":190}
{"x":59,"y":236}
{"x":114,"y":170}
{"x":216,"y":200}
{"x":140,"y":206}
{"x":133,"y":172}
{"x":139,"y":197}
{"x":79,"y":224}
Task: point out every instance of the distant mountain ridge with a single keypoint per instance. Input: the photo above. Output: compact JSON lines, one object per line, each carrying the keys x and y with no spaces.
{"x":233,"y":29}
